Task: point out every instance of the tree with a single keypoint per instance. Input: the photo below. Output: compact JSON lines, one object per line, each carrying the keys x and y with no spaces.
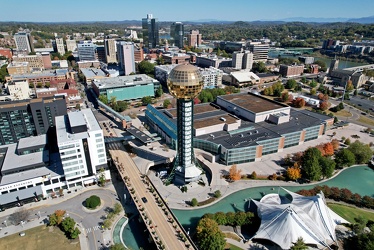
{"x":299,"y":102}
{"x":102,"y":179}
{"x":217,"y":193}
{"x":335,"y":144}
{"x":93,"y":201}
{"x":345,"y":158}
{"x":122,"y":106}
{"x":209,"y":236}
{"x":327,"y":166}
{"x":68,"y":226}
{"x":230,"y":218}
{"x":324,"y":106}
{"x":347,"y":141}
{"x":194,"y":202}
{"x":259,"y":67}
{"x":328,"y":149}
{"x":310,"y":163}
{"x":146,"y":67}
{"x":349,"y":86}
{"x":361,"y":151}
{"x":56,"y":218}
{"x":241,"y":218}
{"x":290,"y":84}
{"x":313,"y":91}
{"x":234,"y":173}
{"x":166,"y":103}
{"x":18,"y":216}
{"x":299,"y":244}
{"x":146,"y":100}
{"x":313,"y":84}
{"x":103,"y":99}
{"x":293,"y":173}
{"x":159,"y":91}
{"x":220,"y":218}
{"x":285,"y":96}
{"x":117,"y":208}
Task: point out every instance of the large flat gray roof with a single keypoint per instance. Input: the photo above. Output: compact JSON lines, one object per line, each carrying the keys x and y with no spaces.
{"x":63,"y":134}
{"x":88,"y":73}
{"x":14,"y":161}
{"x":32,"y":141}
{"x":76,"y":119}
{"x":252,"y":102}
{"x":123,"y":81}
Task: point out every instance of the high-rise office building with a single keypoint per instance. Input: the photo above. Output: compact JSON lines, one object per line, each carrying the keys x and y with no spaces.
{"x":20,"y":119}
{"x":194,"y":38}
{"x":24,"y":41}
{"x":81,"y":144}
{"x":86,"y":51}
{"x":185,"y":82}
{"x":150,"y":32}
{"x":242,"y":60}
{"x":126,"y":58}
{"x":177,"y":33}
{"x":71,"y":45}
{"x":100,"y":53}
{"x":260,"y":51}
{"x":58,"y":45}
{"x":110,"y":50}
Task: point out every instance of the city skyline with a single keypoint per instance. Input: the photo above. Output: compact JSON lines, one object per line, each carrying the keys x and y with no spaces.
{"x":240,"y":10}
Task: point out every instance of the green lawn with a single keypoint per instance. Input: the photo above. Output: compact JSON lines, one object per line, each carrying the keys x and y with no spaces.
{"x":39,"y":238}
{"x":232,"y":247}
{"x":349,"y":213}
{"x":366,"y":120}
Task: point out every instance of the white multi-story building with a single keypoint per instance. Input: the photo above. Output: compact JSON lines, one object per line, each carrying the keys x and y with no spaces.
{"x":212,"y":77}
{"x":81,"y":145}
{"x":71,"y":45}
{"x":260,"y":51}
{"x":59,"y":45}
{"x":18,"y":89}
{"x":242,"y":60}
{"x":39,"y":173}
{"x":126,"y":58}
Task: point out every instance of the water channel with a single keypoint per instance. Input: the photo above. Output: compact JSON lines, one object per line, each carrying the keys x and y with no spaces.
{"x":357,"y":179}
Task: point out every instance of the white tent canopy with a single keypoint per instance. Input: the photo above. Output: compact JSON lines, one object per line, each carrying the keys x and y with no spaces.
{"x":284,"y":222}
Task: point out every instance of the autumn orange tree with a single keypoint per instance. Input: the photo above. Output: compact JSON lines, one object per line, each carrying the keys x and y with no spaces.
{"x":56,"y":218}
{"x":234,"y":173}
{"x":328,"y":149}
{"x":293,"y":173}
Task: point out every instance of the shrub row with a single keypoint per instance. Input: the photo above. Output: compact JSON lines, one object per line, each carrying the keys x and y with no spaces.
{"x":340,"y":194}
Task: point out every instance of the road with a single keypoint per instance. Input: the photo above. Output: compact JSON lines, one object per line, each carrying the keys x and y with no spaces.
{"x":88,"y":222}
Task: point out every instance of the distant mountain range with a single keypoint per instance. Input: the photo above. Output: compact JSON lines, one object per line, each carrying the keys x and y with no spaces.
{"x":362,"y":20}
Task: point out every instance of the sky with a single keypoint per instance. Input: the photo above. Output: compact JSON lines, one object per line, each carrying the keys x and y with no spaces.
{"x":179,"y":10}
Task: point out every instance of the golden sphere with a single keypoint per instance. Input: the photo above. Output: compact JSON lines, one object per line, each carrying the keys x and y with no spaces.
{"x":185,"y":82}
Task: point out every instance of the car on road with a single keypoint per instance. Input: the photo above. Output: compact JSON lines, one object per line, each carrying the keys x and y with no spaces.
{"x":111,"y":134}
{"x":359,"y":104}
{"x":363,"y":113}
{"x":144,"y":200}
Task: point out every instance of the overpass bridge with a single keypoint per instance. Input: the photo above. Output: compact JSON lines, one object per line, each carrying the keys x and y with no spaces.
{"x":160,"y":221}
{"x":162,"y":225}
